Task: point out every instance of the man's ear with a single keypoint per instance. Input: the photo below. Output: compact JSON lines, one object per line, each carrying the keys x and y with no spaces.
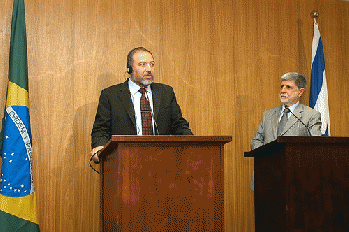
{"x":301,"y":91}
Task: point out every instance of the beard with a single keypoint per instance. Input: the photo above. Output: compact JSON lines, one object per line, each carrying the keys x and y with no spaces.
{"x":140,"y":80}
{"x":284,"y":98}
{"x":146,"y":82}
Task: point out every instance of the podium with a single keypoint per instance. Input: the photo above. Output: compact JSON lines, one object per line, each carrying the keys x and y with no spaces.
{"x":163,"y":183}
{"x":302,"y":184}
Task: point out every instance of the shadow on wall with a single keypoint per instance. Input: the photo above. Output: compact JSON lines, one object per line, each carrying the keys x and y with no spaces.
{"x":86,"y":182}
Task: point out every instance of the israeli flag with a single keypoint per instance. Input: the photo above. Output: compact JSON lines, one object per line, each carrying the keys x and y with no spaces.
{"x":318,"y":89}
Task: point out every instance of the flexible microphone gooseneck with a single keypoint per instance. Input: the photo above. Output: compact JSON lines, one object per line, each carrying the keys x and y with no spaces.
{"x":298,"y":119}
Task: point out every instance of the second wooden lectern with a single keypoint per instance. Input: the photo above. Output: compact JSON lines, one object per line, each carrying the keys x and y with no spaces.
{"x":163,"y":183}
{"x":302,"y":184}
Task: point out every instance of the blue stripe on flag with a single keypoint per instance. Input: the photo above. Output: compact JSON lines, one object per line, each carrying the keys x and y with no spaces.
{"x":16,"y":177}
{"x":317,"y":70}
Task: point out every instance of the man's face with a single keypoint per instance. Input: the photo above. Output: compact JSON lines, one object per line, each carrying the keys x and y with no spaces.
{"x":290,"y":93}
{"x":143,"y":68}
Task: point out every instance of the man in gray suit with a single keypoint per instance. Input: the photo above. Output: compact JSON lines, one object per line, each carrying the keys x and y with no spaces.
{"x":289,"y":119}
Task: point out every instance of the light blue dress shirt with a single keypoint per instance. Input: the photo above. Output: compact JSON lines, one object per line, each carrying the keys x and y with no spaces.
{"x":291,"y":108}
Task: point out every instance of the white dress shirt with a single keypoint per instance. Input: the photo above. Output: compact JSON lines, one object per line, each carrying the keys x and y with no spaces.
{"x":136,"y":99}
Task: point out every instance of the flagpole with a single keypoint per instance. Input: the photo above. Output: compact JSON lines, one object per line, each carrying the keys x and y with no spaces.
{"x":318,"y":98}
{"x":314,"y":14}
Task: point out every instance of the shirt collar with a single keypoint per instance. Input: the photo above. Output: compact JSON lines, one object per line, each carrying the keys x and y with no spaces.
{"x":134,"y":88}
{"x":291,"y":108}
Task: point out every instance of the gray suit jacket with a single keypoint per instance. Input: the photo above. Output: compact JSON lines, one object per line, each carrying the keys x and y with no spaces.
{"x":267,"y":129}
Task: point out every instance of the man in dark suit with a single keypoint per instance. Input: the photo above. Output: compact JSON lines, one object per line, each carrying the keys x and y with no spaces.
{"x":299,"y":120}
{"x":119,"y":112}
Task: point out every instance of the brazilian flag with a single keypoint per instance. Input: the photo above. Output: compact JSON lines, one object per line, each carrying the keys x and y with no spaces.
{"x":17,"y":196}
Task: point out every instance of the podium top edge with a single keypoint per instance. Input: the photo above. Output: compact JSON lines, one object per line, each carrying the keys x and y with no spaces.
{"x":170,"y":138}
{"x":283,"y":140}
{"x":312,"y":139}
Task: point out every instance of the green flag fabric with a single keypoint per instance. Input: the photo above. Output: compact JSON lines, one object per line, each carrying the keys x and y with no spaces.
{"x":17,"y":196}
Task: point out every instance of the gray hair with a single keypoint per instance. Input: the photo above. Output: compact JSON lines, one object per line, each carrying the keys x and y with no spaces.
{"x":298,"y":79}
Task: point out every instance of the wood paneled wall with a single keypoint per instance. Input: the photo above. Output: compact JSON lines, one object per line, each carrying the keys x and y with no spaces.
{"x":231,"y":53}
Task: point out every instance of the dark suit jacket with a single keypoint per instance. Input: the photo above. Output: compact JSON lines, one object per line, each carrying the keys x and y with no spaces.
{"x":116,"y":116}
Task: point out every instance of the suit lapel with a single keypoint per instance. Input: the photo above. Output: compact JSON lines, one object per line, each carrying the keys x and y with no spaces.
{"x":125,"y":98}
{"x":275,"y":122}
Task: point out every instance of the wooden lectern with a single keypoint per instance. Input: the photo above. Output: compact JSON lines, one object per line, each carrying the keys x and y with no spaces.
{"x":302,"y":184}
{"x":163,"y":183}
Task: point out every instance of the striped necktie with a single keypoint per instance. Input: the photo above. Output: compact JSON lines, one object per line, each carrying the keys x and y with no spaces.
{"x":283,"y":121}
{"x":147,"y":125}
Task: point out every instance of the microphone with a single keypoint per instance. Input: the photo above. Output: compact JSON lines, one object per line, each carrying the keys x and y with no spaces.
{"x":155,"y":125}
{"x":156,"y":131}
{"x":298,"y":119}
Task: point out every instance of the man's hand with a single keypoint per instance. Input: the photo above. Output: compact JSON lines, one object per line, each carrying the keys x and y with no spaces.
{"x":95,"y":152}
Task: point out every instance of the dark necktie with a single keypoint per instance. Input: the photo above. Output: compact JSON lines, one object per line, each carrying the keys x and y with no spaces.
{"x":147,"y":125}
{"x":283,"y":121}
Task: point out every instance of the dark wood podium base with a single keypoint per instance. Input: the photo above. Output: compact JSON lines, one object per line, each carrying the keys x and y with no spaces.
{"x":163,"y":183}
{"x":302,"y":184}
